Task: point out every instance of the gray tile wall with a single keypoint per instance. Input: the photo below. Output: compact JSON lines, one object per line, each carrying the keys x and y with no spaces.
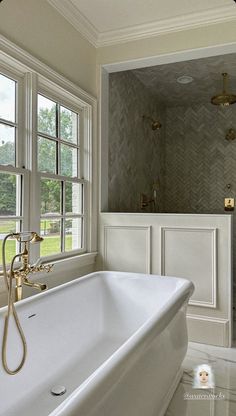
{"x":199,"y":161}
{"x":136,"y":156}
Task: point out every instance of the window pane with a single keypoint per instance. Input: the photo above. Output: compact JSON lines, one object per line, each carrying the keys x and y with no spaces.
{"x":50,"y":229}
{"x":7,"y":227}
{"x":68,"y":125}
{"x":46,"y":116}
{"x":73,"y":198}
{"x":50,"y":196}
{"x":7,"y":98}
{"x":73,"y":234}
{"x":7,"y":145}
{"x":8,"y":202}
{"x":68,"y":161}
{"x":46,"y":155}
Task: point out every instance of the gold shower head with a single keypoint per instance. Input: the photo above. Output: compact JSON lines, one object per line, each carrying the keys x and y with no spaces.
{"x":27,"y":236}
{"x":224,"y":99}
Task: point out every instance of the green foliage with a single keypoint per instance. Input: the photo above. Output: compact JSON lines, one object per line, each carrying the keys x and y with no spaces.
{"x":8,"y":194}
{"x":47,"y":121}
{"x":50,"y":189}
{"x":7,"y":153}
{"x":50,"y":196}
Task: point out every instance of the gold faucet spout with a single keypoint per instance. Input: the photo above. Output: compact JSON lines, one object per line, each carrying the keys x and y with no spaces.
{"x":35,"y":285}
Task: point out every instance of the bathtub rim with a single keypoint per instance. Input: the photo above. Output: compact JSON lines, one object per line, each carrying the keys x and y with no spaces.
{"x":89,"y":276}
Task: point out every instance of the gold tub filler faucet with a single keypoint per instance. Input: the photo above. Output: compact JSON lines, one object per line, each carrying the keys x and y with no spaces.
{"x":21,"y":277}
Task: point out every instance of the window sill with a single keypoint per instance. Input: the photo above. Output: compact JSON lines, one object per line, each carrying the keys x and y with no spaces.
{"x":62,"y":265}
{"x":81,"y":260}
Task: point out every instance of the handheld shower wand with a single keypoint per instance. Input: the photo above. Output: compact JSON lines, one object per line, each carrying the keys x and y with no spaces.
{"x":21,"y":276}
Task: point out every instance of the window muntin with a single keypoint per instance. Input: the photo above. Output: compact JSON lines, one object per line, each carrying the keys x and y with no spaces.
{"x":58,"y":138}
{"x":62,"y":208}
{"x":62,"y":216}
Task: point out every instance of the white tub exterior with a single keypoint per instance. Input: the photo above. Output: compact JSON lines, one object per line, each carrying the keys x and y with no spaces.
{"x":116,"y":341}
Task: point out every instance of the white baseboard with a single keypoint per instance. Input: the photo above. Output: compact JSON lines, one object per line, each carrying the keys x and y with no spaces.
{"x":207,"y":330}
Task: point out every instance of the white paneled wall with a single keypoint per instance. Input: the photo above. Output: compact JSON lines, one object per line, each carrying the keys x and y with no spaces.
{"x":123,"y":239}
{"x":196,"y":247}
{"x":191,"y":253}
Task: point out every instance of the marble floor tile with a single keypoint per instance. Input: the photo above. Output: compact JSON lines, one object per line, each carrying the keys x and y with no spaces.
{"x":223,"y":363}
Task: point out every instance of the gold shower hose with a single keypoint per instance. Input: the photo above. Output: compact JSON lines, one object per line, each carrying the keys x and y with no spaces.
{"x":11,"y":309}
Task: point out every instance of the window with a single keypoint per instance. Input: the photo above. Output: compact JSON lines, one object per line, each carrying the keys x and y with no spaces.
{"x":62,"y":193}
{"x":11,"y":174}
{"x":45,"y":163}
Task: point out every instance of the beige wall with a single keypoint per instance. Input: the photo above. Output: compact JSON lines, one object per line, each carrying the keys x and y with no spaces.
{"x":173,"y":42}
{"x":39,"y":29}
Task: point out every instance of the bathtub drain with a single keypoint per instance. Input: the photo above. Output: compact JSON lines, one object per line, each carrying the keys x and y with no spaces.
{"x":58,"y":390}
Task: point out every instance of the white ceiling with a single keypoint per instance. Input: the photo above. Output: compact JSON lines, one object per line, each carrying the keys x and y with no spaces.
{"x":112,"y":21}
{"x":118,"y":14}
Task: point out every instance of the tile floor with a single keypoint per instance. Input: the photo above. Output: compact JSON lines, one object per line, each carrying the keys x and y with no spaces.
{"x":223,"y":363}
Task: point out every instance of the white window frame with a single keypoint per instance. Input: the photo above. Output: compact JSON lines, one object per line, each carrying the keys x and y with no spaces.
{"x":20,"y":167}
{"x":51,"y":91}
{"x":36,"y":78}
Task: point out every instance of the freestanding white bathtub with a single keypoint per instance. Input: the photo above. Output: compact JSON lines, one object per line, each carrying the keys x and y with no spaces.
{"x":116,"y":341}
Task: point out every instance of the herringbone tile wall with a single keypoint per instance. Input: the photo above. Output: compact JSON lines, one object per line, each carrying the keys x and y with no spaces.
{"x":136,"y":152}
{"x":189,"y":156}
{"x":199,"y":161}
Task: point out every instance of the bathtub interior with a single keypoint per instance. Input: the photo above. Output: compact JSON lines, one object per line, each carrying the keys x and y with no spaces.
{"x":73,"y":330}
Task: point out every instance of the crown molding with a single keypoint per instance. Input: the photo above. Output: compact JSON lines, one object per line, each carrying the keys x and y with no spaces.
{"x":76,"y":19}
{"x":112,"y":37}
{"x":183,"y":22}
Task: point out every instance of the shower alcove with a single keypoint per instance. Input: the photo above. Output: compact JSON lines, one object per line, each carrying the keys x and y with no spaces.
{"x":164,"y":184}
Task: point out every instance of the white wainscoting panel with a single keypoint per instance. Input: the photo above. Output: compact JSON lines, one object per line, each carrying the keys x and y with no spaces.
{"x":127,"y":248}
{"x":197,"y":247}
{"x":191,"y":253}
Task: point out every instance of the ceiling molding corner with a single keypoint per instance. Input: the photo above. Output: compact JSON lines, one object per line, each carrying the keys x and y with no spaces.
{"x":100,"y":39}
{"x":76,"y":19}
